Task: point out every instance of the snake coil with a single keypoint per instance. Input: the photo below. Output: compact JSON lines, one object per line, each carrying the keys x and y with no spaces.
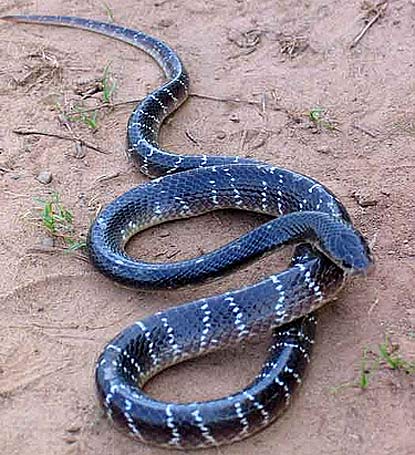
{"x":306,"y":214}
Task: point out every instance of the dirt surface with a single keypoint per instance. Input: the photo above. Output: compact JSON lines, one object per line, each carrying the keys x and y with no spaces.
{"x":57,"y":313}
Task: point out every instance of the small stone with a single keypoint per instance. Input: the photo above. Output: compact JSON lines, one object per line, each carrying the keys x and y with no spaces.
{"x":51,"y":100}
{"x":74,"y":428}
{"x":47,"y":242}
{"x":165,"y":23}
{"x":364,"y":200}
{"x":323,"y":149}
{"x":70,"y":439}
{"x":44,"y":177}
{"x":367,"y":202}
{"x":234,"y":118}
{"x":221,"y":135}
{"x":79,"y":151}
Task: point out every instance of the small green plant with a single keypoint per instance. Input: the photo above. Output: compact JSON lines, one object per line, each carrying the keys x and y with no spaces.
{"x":386,"y":356}
{"x":387,"y":352}
{"x":109,"y":85}
{"x":90,"y":119}
{"x":318,"y":116}
{"x":58,"y":221}
{"x":86,"y":115}
{"x":367,"y":370}
{"x":315,"y":114}
{"x":109,"y":12}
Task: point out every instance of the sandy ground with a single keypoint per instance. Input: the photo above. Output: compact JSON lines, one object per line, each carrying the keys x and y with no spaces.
{"x":56,"y":312}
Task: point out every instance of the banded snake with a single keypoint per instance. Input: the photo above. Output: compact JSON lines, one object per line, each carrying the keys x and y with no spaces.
{"x":308,"y":215}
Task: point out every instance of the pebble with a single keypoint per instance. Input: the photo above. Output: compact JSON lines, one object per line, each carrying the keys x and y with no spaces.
{"x":79,"y":151}
{"x":234,"y":118}
{"x":365,"y":200}
{"x":323,"y":149}
{"x":75,"y":428}
{"x":165,"y":23}
{"x":70,"y":439}
{"x":44,"y":177}
{"x":47,"y":242}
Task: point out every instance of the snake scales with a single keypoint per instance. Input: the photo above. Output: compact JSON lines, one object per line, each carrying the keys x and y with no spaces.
{"x":305,"y":213}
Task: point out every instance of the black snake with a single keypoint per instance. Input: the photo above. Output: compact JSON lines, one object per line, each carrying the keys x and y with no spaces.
{"x":329,"y":249}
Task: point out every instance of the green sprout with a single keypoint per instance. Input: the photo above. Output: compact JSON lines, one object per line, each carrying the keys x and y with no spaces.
{"x":58,"y":221}
{"x":109,"y":85}
{"x":90,"y":119}
{"x":386,"y":356}
{"x":366,"y":371}
{"x":394,"y":361}
{"x":317,"y":115}
{"x":109,"y":11}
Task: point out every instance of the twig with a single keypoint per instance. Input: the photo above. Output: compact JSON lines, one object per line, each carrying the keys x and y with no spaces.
{"x":60,"y":136}
{"x":54,"y":327}
{"x":16,"y":195}
{"x":105,"y":177}
{"x":57,"y":250}
{"x":195,"y":95}
{"x":243,"y":140}
{"x":38,"y":376}
{"x":404,"y":166}
{"x":109,"y":106}
{"x":259,"y":104}
{"x":364,"y":130}
{"x":190,"y":137}
{"x":380,"y":10}
{"x":372,"y":307}
{"x":227,"y":100}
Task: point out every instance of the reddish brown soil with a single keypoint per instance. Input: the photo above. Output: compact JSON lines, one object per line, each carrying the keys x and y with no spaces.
{"x":56,"y":312}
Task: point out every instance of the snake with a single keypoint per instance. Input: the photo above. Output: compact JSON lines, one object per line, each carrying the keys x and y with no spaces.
{"x":306,"y":214}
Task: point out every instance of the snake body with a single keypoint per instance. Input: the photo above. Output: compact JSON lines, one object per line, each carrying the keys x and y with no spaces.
{"x":307,"y":214}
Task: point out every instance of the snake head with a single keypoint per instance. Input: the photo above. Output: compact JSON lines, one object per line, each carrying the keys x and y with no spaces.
{"x":350,"y":251}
